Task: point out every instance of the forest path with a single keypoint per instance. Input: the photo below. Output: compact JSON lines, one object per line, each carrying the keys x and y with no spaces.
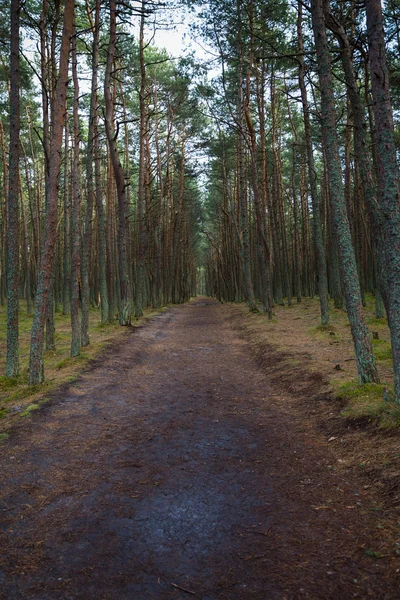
{"x":171,"y":469}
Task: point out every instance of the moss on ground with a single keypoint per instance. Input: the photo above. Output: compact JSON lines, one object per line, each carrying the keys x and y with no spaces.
{"x":8,"y":383}
{"x":297,"y":332}
{"x":370,"y":401}
{"x":29,"y":410}
{"x":382,"y":349}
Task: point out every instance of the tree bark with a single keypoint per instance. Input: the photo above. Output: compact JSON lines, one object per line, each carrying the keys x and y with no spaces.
{"x":366,"y":366}
{"x":125,"y":304}
{"x":388,"y":175}
{"x":76,"y":206}
{"x":12,"y":361}
{"x":319,"y":244}
{"x":36,"y":371}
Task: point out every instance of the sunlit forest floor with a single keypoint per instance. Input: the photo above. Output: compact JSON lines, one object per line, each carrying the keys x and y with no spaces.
{"x":17,"y":398}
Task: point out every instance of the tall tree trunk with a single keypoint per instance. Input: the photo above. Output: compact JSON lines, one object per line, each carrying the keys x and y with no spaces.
{"x":67,"y":224}
{"x":388,"y":175}
{"x":86,"y":247}
{"x":76,"y":206}
{"x":95,"y":147}
{"x":262,"y":245}
{"x":12,"y":362}
{"x":125,"y":304}
{"x":242,"y":187}
{"x":49,"y":79}
{"x":140,"y":283}
{"x":27,"y":252}
{"x":319,"y":244}
{"x":36,"y":373}
{"x":366,"y":168}
{"x":366,"y":366}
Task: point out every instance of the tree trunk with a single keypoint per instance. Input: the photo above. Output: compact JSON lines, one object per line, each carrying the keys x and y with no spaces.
{"x":140,"y":283}
{"x":76,"y":206}
{"x":388,"y":175}
{"x":125,"y":304}
{"x":319,"y":244}
{"x":366,"y":367}
{"x":36,"y":372}
{"x":12,"y":362}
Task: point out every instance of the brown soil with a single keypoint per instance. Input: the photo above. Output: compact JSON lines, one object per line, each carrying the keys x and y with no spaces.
{"x":300,"y":359}
{"x":177,"y":466}
{"x":295,"y":330}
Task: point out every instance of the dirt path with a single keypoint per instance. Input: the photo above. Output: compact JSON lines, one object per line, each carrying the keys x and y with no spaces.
{"x":170,"y":470}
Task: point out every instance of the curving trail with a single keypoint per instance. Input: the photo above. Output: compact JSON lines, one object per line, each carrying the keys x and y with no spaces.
{"x":172,"y":470}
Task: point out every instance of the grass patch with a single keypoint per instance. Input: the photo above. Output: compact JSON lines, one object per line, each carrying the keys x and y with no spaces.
{"x":369,"y":401}
{"x":378,"y":322}
{"x":29,"y":410}
{"x":324,"y":329}
{"x":7,"y":383}
{"x":71,"y":361}
{"x":382,"y":350}
{"x":3,"y":412}
{"x":26,"y":391}
{"x":3,"y":437}
{"x":324,"y":332}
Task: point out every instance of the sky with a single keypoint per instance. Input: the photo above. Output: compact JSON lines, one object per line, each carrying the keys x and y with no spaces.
{"x":173,"y":33}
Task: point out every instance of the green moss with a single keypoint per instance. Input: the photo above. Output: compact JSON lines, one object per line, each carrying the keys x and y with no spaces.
{"x":324,"y":329}
{"x":324,"y":332}
{"x":263,"y":319}
{"x":26,"y":391}
{"x":71,"y":361}
{"x":390,"y":418}
{"x":369,"y":401}
{"x":377,"y":322}
{"x":62,"y":363}
{"x":382,"y":350}
{"x":373,"y":553}
{"x":3,"y":437}
{"x":7,"y":383}
{"x":3,"y":412}
{"x":30,"y":409}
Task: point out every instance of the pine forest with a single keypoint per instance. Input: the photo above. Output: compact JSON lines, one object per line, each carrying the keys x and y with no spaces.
{"x":199,"y":299}
{"x":264,"y":171}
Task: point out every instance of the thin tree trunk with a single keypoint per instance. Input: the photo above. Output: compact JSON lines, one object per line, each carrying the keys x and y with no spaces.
{"x":12,"y":361}
{"x":312,"y":179}
{"x":242,"y":187}
{"x":76,"y":205}
{"x":86,"y":247}
{"x":263,"y":250}
{"x":139,"y":296}
{"x":36,"y":371}
{"x":125,"y":304}
{"x":4,"y":215}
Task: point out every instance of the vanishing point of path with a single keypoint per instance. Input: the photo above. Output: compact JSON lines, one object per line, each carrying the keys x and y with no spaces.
{"x":172,"y":470}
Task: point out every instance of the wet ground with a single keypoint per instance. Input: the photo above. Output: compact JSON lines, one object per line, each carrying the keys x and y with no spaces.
{"x":173,"y":469}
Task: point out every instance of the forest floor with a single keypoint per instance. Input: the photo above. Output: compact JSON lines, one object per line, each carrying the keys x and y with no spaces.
{"x":18,"y":400}
{"x":198,"y":458}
